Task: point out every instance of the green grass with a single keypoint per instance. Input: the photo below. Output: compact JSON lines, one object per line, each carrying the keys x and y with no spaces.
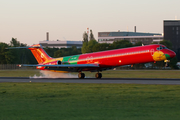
{"x":105,"y":74}
{"x":49,"y":101}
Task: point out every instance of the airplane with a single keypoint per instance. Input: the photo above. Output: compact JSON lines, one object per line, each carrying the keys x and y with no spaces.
{"x":100,"y":61}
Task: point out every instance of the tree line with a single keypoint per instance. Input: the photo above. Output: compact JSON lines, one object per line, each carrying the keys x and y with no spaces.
{"x":24,"y":56}
{"x":15,"y":56}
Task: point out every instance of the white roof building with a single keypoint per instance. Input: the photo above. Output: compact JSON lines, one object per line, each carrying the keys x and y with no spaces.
{"x":61,"y":44}
{"x":133,"y":37}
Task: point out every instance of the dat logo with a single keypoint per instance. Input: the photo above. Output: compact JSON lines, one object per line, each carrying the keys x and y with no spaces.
{"x":152,"y":51}
{"x":42,"y":55}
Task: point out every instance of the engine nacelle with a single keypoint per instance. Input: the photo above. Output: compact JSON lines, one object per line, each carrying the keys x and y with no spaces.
{"x":59,"y":62}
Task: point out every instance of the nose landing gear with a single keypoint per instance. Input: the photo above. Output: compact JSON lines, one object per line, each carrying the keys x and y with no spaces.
{"x":166,"y":61}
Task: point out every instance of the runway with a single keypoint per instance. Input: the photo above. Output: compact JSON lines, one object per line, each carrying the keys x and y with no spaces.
{"x":93,"y":80}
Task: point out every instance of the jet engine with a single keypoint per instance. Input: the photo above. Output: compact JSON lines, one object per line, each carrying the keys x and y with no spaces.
{"x":59,"y":62}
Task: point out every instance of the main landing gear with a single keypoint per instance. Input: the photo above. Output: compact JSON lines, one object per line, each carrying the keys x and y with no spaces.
{"x":98,"y":75}
{"x":82,"y":75}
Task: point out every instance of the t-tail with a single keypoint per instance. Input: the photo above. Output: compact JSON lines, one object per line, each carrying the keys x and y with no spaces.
{"x":39,"y":53}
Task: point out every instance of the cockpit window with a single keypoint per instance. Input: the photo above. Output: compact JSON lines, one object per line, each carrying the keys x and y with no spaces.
{"x":161,"y":47}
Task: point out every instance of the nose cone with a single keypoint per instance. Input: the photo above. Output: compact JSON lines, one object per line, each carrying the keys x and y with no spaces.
{"x":170,"y":54}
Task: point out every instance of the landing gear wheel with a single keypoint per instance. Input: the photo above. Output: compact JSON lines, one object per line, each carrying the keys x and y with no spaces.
{"x":81,"y":75}
{"x":98,"y":75}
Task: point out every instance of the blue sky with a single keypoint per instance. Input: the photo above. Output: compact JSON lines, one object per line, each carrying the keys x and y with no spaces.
{"x":28,"y":21}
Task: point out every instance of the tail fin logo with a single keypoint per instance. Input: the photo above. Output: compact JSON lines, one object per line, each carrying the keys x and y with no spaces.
{"x":38,"y":52}
{"x":42,"y":55}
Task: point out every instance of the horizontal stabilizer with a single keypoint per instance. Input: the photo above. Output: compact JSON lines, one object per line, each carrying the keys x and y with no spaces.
{"x":24,"y":47}
{"x":17,"y":47}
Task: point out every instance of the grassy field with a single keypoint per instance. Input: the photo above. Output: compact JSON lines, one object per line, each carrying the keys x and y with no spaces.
{"x":106,"y":74}
{"x":50,"y":101}
{"x":44,"y":101}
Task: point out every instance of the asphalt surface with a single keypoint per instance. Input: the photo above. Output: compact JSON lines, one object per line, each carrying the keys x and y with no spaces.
{"x":93,"y":80}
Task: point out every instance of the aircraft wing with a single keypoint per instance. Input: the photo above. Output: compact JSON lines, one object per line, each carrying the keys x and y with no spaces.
{"x":68,"y":65}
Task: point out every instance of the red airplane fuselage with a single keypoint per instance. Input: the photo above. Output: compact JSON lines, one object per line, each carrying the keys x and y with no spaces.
{"x":99,"y":61}
{"x":127,"y":56}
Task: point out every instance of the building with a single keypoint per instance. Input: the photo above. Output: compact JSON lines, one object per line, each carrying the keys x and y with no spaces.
{"x":172,"y":33}
{"x":61,"y":44}
{"x":133,"y":37}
